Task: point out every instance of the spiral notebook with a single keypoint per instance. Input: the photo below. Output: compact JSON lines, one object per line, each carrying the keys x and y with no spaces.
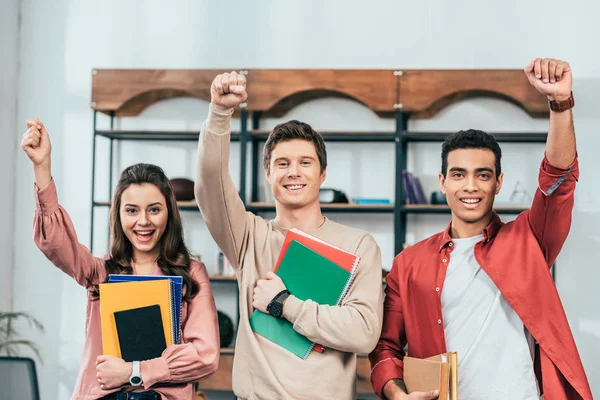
{"x":308,"y":275}
{"x":123,"y":296}
{"x":343,"y":258}
{"x":176,"y":292}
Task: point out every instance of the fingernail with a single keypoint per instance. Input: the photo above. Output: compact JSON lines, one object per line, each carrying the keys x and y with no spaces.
{"x":552,"y":81}
{"x":545,"y":80}
{"x":39,"y":127}
{"x":538,"y":76}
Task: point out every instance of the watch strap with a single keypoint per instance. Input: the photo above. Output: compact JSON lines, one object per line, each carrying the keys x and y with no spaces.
{"x":563,"y":105}
{"x":277,"y":296}
{"x":135,"y":372}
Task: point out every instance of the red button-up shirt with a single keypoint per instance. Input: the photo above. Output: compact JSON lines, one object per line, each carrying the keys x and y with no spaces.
{"x":516,"y":256}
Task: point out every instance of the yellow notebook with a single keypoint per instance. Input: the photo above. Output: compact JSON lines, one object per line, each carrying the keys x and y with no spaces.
{"x":125,"y":296}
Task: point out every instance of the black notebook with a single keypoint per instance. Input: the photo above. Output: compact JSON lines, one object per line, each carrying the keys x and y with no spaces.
{"x":141,"y":333}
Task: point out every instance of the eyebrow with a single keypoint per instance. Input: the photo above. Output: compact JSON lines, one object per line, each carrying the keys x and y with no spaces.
{"x":149,"y":205}
{"x":483,"y":169}
{"x":287,"y":158}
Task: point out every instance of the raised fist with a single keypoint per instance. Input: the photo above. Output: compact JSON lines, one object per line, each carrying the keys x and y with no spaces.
{"x":228,"y":91}
{"x":550,"y":77}
{"x":36,"y":143}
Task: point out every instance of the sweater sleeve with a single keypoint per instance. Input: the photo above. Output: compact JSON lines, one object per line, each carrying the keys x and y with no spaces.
{"x":354,"y":326}
{"x":198,"y":356}
{"x":55,"y":236}
{"x":218,"y":199}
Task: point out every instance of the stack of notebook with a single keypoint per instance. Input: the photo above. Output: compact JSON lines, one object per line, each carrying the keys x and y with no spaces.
{"x":413,"y":190}
{"x":434,"y":373}
{"x":311,"y":269}
{"x":140,"y":315}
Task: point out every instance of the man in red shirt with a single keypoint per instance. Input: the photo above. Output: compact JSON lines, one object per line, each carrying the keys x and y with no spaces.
{"x":483,"y":288}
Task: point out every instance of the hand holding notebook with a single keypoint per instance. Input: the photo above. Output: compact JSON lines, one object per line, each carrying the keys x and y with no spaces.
{"x":265,"y":290}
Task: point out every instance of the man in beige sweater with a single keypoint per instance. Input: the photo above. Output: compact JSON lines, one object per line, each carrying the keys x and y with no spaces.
{"x":295,"y":162}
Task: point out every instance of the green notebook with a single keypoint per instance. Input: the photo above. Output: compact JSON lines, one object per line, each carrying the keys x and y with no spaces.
{"x":307,"y":275}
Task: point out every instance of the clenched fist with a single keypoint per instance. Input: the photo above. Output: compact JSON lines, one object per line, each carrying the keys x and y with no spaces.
{"x":550,"y":77}
{"x":36,"y":143}
{"x":228,"y":91}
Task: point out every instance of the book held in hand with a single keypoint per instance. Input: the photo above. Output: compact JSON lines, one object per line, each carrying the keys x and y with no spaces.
{"x":176,"y":294}
{"x":123,"y":296}
{"x":140,"y":332}
{"x":439,"y":372}
{"x":311,"y":269}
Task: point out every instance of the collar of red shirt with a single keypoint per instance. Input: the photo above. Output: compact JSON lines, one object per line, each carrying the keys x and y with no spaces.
{"x":488,"y":232}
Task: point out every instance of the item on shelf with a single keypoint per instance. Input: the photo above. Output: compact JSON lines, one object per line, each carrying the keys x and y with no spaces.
{"x":224,"y":268}
{"x":413,"y":189}
{"x":370,"y":200}
{"x":328,"y":195}
{"x":438,"y":197}
{"x":520,"y":195}
{"x":183,"y":189}
{"x":226,"y":330}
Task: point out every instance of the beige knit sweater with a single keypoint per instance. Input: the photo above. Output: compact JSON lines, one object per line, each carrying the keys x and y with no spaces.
{"x":262,"y":369}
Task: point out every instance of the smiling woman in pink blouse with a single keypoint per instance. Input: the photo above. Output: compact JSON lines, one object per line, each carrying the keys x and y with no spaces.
{"x":146,"y":239}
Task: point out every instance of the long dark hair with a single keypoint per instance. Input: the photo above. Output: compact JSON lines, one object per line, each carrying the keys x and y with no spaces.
{"x":174,"y":257}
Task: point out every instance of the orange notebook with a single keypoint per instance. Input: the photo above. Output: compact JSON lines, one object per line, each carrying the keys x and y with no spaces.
{"x":126,"y":296}
{"x":344,"y":259}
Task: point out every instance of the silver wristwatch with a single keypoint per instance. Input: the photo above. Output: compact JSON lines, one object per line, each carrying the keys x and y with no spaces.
{"x":135,"y":379}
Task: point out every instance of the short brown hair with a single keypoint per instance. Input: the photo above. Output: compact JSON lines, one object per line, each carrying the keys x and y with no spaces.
{"x":295,"y":130}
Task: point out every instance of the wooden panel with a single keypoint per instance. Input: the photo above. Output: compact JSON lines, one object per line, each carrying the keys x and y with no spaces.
{"x":425,"y":92}
{"x":278,"y":91}
{"x":129,"y":91}
{"x":221,"y":379}
{"x":274,"y":92}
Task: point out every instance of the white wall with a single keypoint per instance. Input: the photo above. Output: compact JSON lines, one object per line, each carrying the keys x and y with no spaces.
{"x":61,"y":42}
{"x":9,"y":43}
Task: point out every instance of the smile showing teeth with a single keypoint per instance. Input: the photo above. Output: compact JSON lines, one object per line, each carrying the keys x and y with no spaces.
{"x":294,"y":187}
{"x":470,"y":201}
{"x":144,"y":233}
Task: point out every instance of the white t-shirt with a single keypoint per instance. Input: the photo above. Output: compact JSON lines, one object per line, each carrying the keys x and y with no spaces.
{"x":495,"y":352}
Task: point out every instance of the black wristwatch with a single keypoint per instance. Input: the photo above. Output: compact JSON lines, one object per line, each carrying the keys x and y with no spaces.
{"x":275,"y":307}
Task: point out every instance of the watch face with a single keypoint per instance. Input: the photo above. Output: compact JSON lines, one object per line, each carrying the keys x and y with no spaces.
{"x":276,"y":309}
{"x":136,"y":380}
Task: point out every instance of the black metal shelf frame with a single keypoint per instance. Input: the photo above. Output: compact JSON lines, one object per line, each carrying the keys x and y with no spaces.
{"x":255,"y":138}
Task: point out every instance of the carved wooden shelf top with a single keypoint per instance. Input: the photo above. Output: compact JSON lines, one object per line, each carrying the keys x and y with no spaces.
{"x":126,"y":92}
